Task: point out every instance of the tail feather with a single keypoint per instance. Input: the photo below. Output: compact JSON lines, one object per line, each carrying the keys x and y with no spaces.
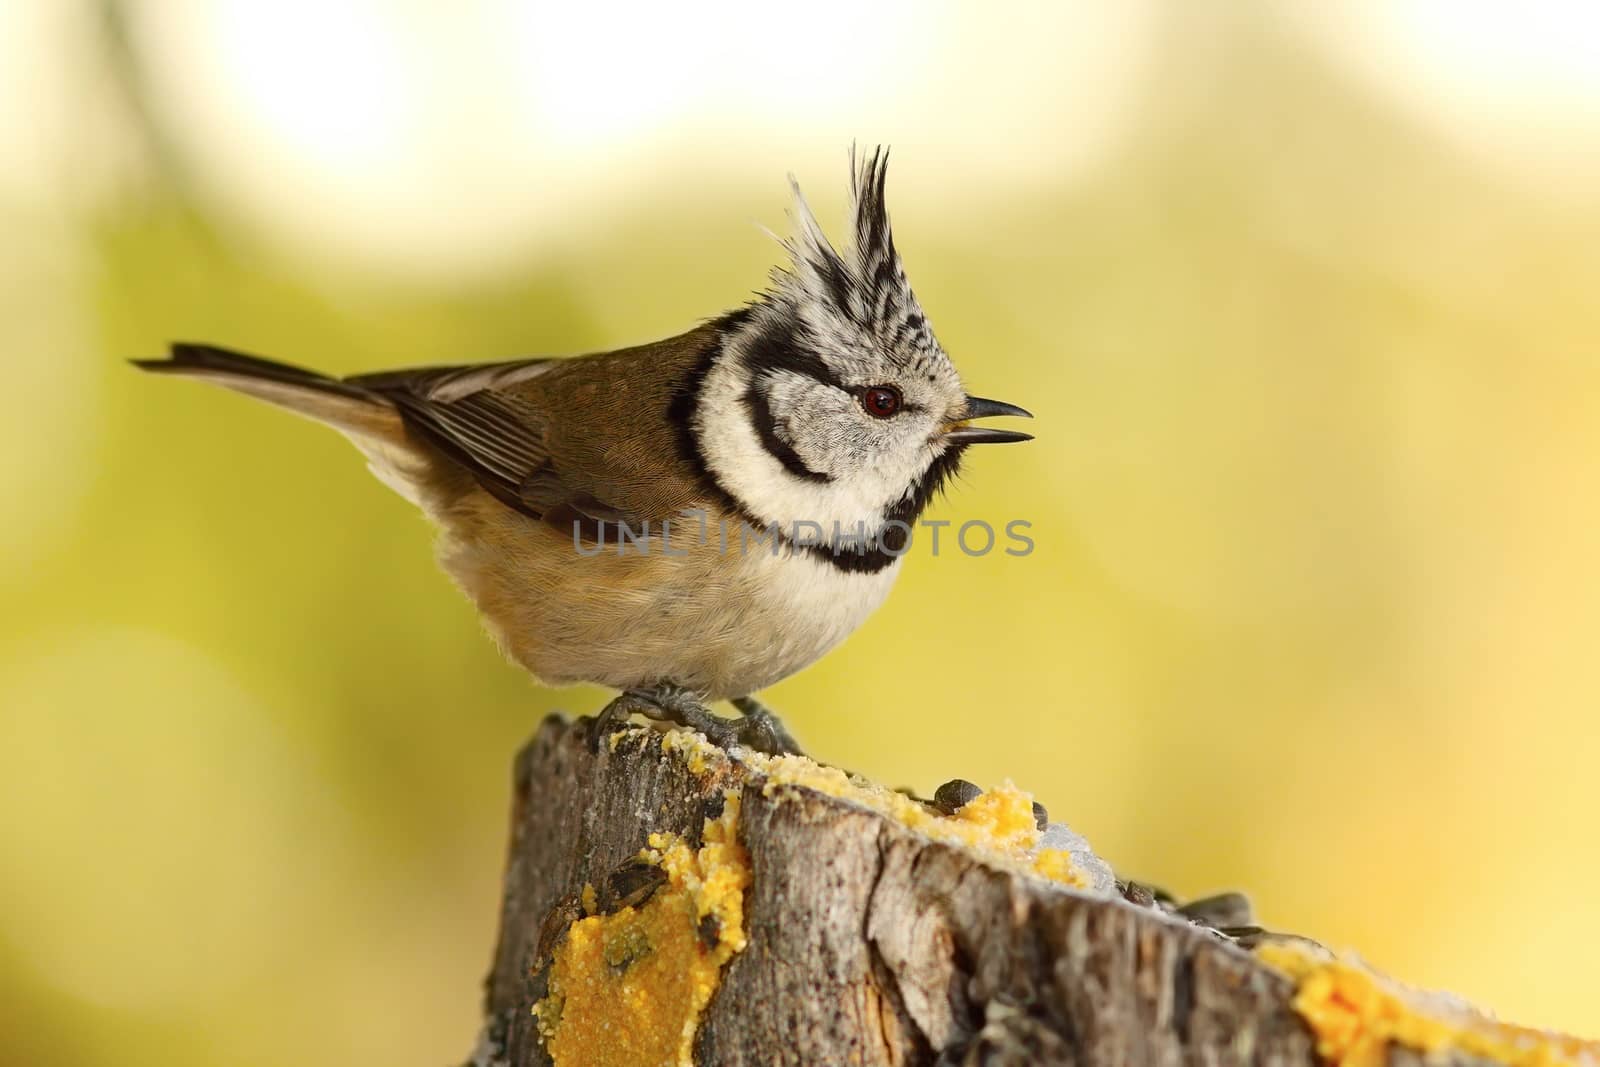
{"x":370,"y":421}
{"x":350,"y":408}
{"x":198,"y":360}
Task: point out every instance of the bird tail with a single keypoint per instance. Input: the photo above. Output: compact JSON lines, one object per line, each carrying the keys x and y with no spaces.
{"x":357,"y":412}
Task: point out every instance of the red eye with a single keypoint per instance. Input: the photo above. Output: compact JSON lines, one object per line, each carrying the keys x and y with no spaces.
{"x":881,"y":401}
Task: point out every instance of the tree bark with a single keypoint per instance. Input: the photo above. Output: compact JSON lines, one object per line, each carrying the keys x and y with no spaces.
{"x":868,"y":943}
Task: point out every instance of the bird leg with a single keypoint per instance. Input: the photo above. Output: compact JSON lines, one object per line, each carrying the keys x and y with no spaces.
{"x":761,"y":729}
{"x":670,"y":704}
{"x":756,"y":728}
{"x":612,"y":718}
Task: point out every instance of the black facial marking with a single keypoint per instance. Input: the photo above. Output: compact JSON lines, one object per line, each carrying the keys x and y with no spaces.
{"x":782,"y":347}
{"x":872,"y":558}
{"x":933,"y":480}
{"x":680,"y":415}
{"x":759,"y":405}
{"x":681,"y":410}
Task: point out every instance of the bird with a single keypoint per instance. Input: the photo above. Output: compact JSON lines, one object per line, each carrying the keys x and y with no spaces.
{"x":584,"y":503}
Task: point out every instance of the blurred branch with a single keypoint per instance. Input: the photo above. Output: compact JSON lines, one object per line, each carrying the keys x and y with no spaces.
{"x":127,"y":67}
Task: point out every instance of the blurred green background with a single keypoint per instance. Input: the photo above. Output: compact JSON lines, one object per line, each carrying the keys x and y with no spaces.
{"x":1304,"y":299}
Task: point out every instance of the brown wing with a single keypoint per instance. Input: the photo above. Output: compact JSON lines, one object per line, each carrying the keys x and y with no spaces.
{"x":591,"y":438}
{"x":469,"y":415}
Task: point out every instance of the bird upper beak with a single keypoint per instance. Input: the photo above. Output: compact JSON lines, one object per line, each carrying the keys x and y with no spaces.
{"x":979,"y":408}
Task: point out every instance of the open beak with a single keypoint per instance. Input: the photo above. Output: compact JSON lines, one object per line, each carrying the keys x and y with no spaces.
{"x":979,"y":408}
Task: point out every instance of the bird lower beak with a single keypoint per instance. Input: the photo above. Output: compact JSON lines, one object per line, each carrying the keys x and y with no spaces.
{"x":979,"y":408}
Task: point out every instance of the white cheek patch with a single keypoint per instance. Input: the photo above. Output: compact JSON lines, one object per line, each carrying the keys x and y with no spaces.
{"x":820,"y":422}
{"x":859,"y":491}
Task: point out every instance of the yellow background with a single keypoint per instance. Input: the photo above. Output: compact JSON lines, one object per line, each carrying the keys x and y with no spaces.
{"x":1304,"y":299}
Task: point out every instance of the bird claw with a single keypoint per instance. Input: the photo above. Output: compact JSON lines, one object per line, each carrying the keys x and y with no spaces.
{"x":613,"y":718}
{"x":761,"y":729}
{"x":756,"y":728}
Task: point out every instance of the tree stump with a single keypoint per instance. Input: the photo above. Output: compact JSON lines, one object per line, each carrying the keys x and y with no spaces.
{"x":775,"y":918}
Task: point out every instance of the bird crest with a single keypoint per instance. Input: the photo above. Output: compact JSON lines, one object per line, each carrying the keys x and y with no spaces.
{"x":865,"y":285}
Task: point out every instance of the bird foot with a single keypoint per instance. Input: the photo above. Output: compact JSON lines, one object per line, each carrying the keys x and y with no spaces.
{"x":762,"y":730}
{"x":756,"y":728}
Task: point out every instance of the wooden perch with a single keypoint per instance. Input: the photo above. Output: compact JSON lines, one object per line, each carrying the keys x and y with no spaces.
{"x":667,"y":902}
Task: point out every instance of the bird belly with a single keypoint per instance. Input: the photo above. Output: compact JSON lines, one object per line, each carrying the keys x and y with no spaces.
{"x":793,"y":609}
{"x":718,"y":620}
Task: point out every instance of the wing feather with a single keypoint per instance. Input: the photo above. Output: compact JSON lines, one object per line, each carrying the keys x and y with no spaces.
{"x":500,"y":436}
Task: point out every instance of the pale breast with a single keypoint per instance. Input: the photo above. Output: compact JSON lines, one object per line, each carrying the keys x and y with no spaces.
{"x":803,"y":607}
{"x":720,"y":617}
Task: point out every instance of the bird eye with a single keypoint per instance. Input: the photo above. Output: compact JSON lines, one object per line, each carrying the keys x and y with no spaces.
{"x":881,"y":401}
